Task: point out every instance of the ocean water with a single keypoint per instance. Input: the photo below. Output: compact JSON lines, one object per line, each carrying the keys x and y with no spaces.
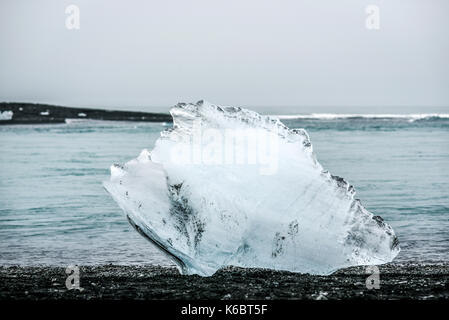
{"x":54,"y":210}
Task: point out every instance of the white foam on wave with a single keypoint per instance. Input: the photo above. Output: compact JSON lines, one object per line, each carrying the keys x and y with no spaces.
{"x":336,"y":116}
{"x":75,"y":121}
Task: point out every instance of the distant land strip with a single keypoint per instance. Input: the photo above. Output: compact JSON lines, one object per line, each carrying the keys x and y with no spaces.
{"x":35,"y":113}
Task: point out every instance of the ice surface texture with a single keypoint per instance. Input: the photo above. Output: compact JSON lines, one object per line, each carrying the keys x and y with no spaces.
{"x":207,"y":215}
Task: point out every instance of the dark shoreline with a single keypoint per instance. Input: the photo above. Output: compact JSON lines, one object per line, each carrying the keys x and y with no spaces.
{"x":31,"y":113}
{"x":112,"y":282}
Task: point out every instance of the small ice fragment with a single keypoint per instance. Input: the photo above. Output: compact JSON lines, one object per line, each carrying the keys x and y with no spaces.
{"x":6,"y":115}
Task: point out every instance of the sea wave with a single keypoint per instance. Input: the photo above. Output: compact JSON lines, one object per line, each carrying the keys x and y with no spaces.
{"x":349,"y":116}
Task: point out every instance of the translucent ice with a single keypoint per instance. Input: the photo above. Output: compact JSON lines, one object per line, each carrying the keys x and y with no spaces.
{"x":209,"y":198}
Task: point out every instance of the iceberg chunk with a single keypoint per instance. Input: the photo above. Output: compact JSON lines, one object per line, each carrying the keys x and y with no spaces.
{"x":6,"y":115}
{"x":227,"y":186}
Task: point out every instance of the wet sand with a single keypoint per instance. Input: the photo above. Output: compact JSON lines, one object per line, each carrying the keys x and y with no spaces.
{"x":397,"y":281}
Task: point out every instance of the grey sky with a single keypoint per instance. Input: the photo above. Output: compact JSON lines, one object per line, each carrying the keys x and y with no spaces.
{"x":233,"y":52}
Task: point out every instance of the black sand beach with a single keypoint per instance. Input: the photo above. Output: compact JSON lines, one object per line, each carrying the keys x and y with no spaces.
{"x":112,"y":282}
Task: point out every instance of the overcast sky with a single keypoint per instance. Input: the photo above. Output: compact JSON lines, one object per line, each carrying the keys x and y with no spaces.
{"x":233,"y":52}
